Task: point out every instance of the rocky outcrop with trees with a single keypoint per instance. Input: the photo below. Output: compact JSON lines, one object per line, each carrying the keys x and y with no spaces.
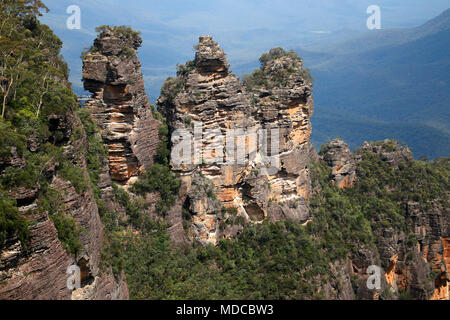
{"x":215,"y":193}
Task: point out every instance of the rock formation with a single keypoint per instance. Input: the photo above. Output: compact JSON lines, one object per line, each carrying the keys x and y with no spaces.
{"x":242,"y":151}
{"x":389,"y":151}
{"x":339,"y":158}
{"x":420,"y":268}
{"x":253,"y":146}
{"x":112,"y":72}
{"x":41,"y":271}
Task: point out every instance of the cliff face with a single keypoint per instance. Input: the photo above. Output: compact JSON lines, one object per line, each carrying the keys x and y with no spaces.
{"x":242,"y":152}
{"x":30,"y":276}
{"x":415,"y":257}
{"x":281,"y":92}
{"x":252,"y":146}
{"x":112,"y":72}
{"x":40,"y":272}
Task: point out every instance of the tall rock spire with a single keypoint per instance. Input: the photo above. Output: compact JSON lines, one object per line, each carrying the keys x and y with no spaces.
{"x":210,"y":57}
{"x":112,"y":72}
{"x":225,"y":118}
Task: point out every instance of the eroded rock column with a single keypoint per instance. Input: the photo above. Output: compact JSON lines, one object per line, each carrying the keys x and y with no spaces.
{"x":112,"y":73}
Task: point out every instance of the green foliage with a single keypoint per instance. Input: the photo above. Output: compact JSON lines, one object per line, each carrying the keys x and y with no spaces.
{"x":75,"y":175}
{"x":33,"y":85}
{"x":344,"y":219}
{"x":268,"y":261}
{"x":68,"y":232}
{"x":51,"y":201}
{"x":96,"y":150}
{"x":159,"y":178}
{"x":30,"y":175}
{"x":284,"y":260}
{"x":128,"y":53}
{"x":124,"y":32}
{"x":172,"y":86}
{"x":11,"y":222}
{"x":339,"y":222}
{"x":417,"y":181}
{"x":163,"y":152}
{"x":9,"y":138}
{"x":257,"y":79}
{"x":33,"y":75}
{"x":133,"y":209}
{"x":183,"y":70}
{"x":269,"y":78}
{"x":113,"y":254}
{"x":276,"y":53}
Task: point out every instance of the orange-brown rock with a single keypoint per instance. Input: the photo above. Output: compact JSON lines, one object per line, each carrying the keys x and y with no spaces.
{"x":112,"y":73}
{"x":341,"y":161}
{"x":209,"y":104}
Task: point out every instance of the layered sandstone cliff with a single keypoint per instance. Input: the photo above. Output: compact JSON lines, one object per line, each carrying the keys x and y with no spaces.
{"x":242,"y":151}
{"x":253,"y":147}
{"x":41,"y":271}
{"x":112,"y":73}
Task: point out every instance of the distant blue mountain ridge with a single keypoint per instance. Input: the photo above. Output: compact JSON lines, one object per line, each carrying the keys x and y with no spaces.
{"x":388,"y":84}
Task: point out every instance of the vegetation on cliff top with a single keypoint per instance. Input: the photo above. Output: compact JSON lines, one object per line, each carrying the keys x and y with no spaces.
{"x":277,"y":68}
{"x":124,"y":32}
{"x":11,"y":222}
{"x":172,"y":86}
{"x":284,"y":260}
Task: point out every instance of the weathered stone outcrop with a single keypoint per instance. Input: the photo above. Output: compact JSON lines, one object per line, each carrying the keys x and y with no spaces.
{"x":418,"y":262}
{"x":341,"y":161}
{"x":112,"y":72}
{"x":281,"y":92}
{"x":415,"y":262}
{"x":253,"y":146}
{"x":40,"y":272}
{"x":388,"y":150}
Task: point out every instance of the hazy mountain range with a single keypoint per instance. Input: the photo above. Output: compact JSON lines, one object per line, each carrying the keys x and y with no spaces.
{"x":392,"y":83}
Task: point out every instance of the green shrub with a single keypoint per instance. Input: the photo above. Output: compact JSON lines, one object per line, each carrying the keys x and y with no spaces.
{"x":125,"y":32}
{"x":171,"y":87}
{"x":68,"y":232}
{"x":11,"y":222}
{"x":267,"y":261}
{"x":128,"y":53}
{"x":161,"y":179}
{"x":51,"y":201}
{"x":75,"y":175}
{"x":97,"y":152}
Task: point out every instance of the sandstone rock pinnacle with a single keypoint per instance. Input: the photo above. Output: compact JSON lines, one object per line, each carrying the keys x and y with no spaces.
{"x":112,"y":72}
{"x":206,"y":96}
{"x":210,"y":57}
